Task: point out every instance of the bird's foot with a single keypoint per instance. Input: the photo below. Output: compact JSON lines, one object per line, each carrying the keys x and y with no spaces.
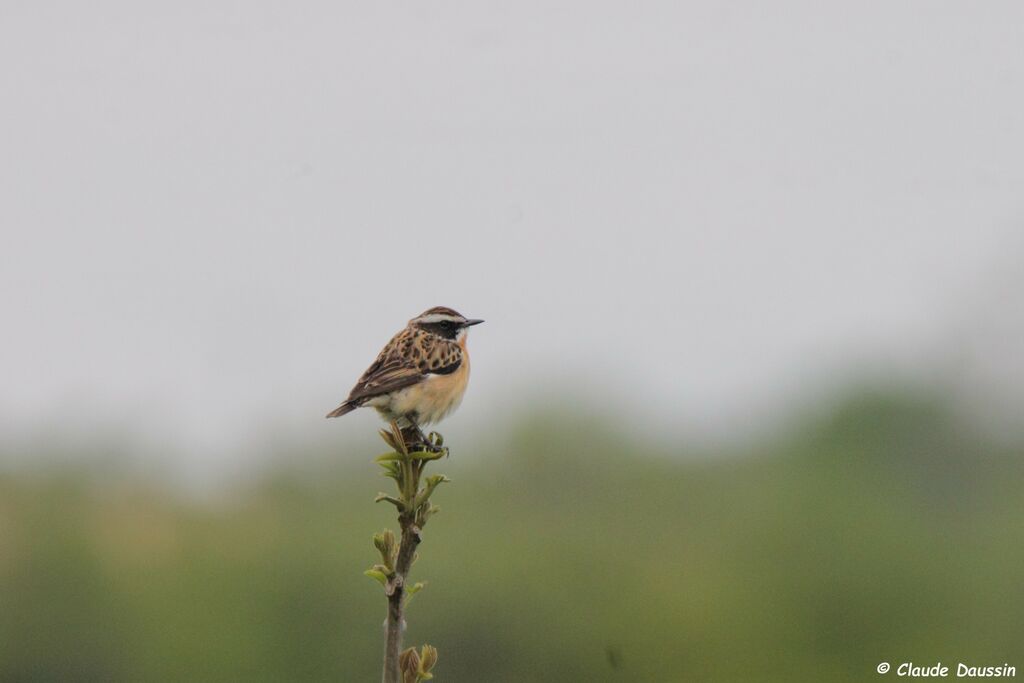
{"x":425,"y":447}
{"x":433,"y":444}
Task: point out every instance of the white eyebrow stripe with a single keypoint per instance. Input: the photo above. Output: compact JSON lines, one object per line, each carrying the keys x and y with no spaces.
{"x":437,"y":318}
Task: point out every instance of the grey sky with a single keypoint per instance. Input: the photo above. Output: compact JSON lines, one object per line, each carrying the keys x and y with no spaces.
{"x":215,"y":213}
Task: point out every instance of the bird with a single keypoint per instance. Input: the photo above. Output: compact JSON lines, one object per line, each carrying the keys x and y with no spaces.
{"x":419,"y":377}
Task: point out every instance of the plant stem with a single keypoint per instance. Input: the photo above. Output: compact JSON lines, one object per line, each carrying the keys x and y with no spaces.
{"x":414,"y":509}
{"x":396,"y":596}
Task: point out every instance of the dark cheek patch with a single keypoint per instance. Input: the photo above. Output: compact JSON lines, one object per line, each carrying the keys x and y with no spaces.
{"x":442,"y":330}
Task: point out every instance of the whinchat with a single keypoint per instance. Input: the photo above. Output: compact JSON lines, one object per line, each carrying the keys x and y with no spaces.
{"x":420,"y":376}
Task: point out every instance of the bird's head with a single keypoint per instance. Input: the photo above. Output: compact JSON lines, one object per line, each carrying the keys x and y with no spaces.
{"x":444,"y":322}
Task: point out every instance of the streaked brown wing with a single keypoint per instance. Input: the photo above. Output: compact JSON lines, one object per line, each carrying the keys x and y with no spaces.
{"x":383,"y":377}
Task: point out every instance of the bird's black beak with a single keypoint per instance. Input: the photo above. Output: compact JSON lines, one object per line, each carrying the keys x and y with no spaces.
{"x":471,"y":322}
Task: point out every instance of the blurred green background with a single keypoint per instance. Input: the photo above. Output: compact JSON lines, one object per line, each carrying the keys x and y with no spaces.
{"x":887,"y":529}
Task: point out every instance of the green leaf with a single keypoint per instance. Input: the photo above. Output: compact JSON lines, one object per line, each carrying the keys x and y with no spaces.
{"x":428,"y":659}
{"x":386,"y":544}
{"x":391,"y":499}
{"x":429,"y":455}
{"x":433,"y":482}
{"x":412,"y":590}
{"x":392,"y":469}
{"x":380,"y":576}
{"x":384,"y":457}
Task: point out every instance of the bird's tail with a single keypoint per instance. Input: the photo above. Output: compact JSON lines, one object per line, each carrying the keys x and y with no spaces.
{"x":346,"y":407}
